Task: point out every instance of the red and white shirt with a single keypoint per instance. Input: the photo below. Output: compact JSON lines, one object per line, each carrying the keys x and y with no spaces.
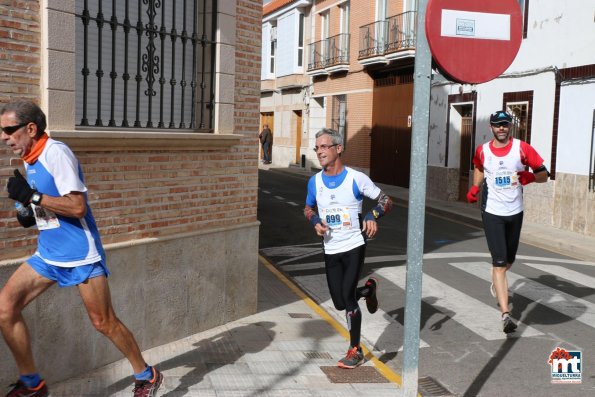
{"x":503,"y":192}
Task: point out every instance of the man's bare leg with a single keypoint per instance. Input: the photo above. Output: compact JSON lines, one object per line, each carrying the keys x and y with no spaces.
{"x":501,"y":286}
{"x":96,"y":297}
{"x":22,"y":288}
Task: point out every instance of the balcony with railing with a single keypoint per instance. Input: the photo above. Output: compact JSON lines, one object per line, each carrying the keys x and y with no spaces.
{"x":329,"y":55}
{"x":392,"y":38}
{"x":372,"y":42}
{"x":338,"y":54}
{"x":318,"y":56}
{"x":400,"y":40}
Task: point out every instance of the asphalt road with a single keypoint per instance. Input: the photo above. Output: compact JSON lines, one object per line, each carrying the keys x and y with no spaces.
{"x":462,"y":346}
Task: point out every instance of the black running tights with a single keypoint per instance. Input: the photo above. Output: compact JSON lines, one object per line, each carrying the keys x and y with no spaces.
{"x":342,"y":275}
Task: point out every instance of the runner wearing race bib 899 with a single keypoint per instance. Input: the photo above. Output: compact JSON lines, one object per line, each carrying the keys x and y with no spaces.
{"x":337,"y":193}
{"x":501,"y":171}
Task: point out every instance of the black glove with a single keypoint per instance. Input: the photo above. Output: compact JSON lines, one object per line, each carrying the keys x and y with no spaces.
{"x":19,"y":189}
{"x":25,"y":217}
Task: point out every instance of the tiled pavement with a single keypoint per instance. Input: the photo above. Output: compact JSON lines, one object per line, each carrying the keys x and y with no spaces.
{"x":280,"y":351}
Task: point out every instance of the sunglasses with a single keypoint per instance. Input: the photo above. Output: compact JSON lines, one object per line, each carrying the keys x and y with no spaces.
{"x":324,"y":147}
{"x":13,"y":128}
{"x":501,"y":124}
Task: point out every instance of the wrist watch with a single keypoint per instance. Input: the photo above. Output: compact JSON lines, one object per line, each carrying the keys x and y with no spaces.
{"x":36,"y":198}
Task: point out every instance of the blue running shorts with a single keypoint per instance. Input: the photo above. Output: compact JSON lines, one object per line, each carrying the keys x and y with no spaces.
{"x":68,"y":276}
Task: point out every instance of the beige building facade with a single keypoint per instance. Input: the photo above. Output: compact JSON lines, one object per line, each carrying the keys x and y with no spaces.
{"x":356,"y":78}
{"x":361,"y":67}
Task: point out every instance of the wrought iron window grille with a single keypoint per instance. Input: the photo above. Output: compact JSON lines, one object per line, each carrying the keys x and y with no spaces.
{"x":161,"y":57}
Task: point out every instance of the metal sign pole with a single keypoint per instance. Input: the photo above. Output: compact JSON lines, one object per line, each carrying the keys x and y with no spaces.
{"x":417,"y":203}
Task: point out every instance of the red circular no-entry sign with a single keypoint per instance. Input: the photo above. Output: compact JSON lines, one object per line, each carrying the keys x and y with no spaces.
{"x":474,"y":41}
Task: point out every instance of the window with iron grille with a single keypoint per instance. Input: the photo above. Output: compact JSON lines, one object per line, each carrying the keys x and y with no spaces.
{"x":338,"y":121}
{"x":145,"y":64}
{"x":519,"y":112}
{"x":520,"y":106}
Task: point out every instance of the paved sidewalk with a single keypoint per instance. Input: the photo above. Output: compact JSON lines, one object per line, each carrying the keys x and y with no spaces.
{"x":283,"y":350}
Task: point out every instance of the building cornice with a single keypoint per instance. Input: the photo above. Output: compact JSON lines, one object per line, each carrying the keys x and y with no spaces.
{"x":154,"y":140}
{"x":285,"y":7}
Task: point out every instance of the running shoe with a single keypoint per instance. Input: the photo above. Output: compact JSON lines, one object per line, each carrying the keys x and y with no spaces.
{"x":148,"y":388}
{"x":508,"y":325}
{"x":354,"y":358}
{"x":20,"y":390}
{"x":372,"y":298}
{"x":493,"y":290}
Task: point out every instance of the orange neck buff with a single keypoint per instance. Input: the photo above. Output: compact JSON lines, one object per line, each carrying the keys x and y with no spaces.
{"x":36,"y":150}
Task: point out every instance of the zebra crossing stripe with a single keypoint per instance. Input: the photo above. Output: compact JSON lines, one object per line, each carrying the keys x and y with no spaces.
{"x":478,"y":317}
{"x":566,"y":304}
{"x":569,"y":274}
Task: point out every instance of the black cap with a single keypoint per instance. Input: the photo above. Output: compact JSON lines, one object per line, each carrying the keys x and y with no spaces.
{"x":500,"y":117}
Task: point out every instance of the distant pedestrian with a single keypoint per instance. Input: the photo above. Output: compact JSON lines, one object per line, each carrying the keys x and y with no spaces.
{"x":500,"y":171}
{"x":266,"y":139}
{"x":69,"y":250}
{"x":334,"y":207}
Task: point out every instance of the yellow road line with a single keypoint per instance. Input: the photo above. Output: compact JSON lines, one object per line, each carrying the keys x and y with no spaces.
{"x":384,"y":369}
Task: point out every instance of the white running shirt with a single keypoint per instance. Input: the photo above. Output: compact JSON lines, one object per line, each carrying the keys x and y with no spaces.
{"x":339,"y":201}
{"x":505,"y":192}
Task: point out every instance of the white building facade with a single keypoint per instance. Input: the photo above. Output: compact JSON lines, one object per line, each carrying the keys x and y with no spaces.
{"x":550,"y":90}
{"x":284,"y":84}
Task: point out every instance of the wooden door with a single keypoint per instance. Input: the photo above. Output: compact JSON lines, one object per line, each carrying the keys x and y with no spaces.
{"x":298,"y":136}
{"x":391,"y":129}
{"x":465,"y":157}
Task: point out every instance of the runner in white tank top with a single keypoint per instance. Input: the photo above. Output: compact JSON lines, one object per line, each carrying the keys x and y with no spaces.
{"x":337,"y":193}
{"x":500,"y":170}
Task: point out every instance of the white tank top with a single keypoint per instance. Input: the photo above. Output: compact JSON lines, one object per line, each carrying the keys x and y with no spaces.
{"x":504,"y":190}
{"x":340,"y":209}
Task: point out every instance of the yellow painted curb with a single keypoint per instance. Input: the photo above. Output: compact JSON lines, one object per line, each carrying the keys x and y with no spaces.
{"x":384,"y":370}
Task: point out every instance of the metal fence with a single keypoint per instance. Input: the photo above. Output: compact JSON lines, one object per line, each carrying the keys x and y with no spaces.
{"x":393,"y":34}
{"x":318,"y":54}
{"x":146,"y":63}
{"x":401,"y":31}
{"x":372,"y":39}
{"x":338,"y":49}
{"x":329,"y":52}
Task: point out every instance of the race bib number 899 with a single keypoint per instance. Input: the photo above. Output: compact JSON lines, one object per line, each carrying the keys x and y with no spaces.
{"x":333,"y":220}
{"x":336,"y":217}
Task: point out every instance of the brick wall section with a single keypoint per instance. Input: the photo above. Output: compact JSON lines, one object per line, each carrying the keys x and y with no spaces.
{"x":248,"y":54}
{"x":359,"y":104}
{"x":19,"y":49}
{"x":359,"y":123}
{"x":139,"y":194}
{"x":19,"y":77}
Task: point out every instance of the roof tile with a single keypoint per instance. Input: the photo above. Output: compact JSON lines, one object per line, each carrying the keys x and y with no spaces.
{"x":274,"y":6}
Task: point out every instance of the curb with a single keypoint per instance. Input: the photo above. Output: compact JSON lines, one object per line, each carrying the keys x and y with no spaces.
{"x":382,"y":368}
